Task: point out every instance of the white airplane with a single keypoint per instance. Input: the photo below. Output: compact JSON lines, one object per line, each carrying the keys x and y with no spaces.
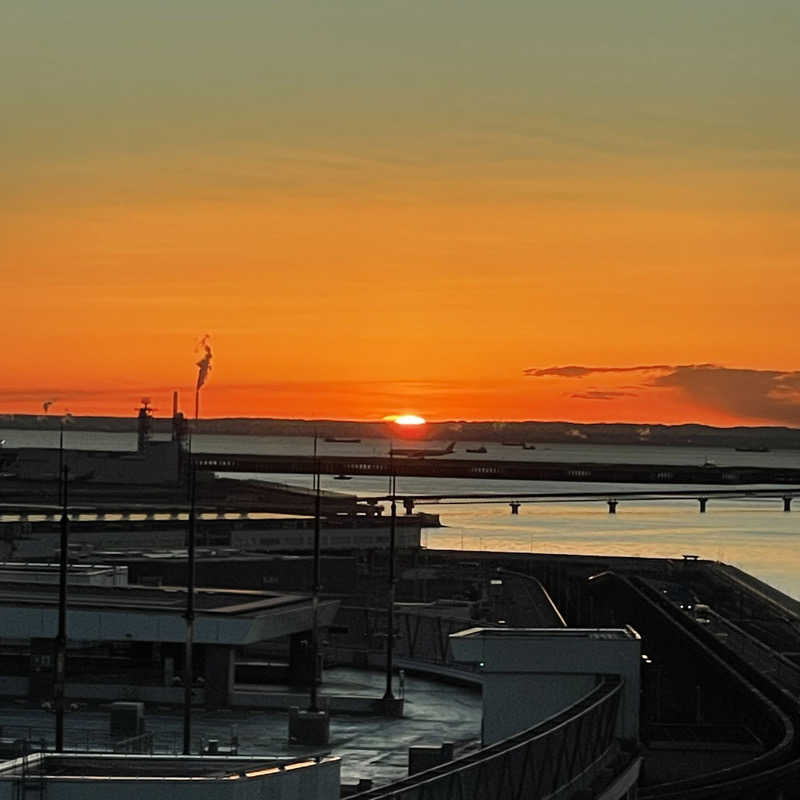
{"x":409,"y":453}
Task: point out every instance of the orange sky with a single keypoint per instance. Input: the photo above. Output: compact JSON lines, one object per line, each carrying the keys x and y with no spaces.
{"x":410,"y":236}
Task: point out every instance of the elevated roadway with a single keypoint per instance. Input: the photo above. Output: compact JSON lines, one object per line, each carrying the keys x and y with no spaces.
{"x":107,"y":510}
{"x":708,"y":474}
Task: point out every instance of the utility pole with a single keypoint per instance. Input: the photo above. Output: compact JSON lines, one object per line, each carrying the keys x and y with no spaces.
{"x":315,"y":586}
{"x":61,"y":637}
{"x":60,"y":461}
{"x":389,"y":695}
{"x":188,"y":673}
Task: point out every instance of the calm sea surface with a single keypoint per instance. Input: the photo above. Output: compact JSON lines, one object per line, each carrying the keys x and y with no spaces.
{"x":755,"y":535}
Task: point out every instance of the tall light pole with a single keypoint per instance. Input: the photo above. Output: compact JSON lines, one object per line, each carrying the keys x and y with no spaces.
{"x":315,"y":585}
{"x":61,"y":636}
{"x":401,"y":421}
{"x":64,"y":418}
{"x":388,"y":695}
{"x":188,"y":672}
{"x":61,"y":461}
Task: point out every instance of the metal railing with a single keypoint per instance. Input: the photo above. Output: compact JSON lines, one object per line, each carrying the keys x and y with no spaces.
{"x":550,"y":760}
{"x":419,"y":636}
{"x":560,"y":754}
{"x":97,"y":740}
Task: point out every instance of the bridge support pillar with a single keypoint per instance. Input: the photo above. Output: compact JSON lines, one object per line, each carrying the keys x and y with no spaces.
{"x":702,"y":501}
{"x":787,"y":503}
{"x":612,"y":506}
{"x":408,"y":504}
{"x":515,"y":507}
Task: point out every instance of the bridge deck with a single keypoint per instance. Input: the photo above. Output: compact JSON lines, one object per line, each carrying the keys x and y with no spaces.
{"x":496,"y":470}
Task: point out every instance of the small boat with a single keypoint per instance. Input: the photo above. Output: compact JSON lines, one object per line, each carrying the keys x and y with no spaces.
{"x":480,"y":449}
{"x":339,"y":440}
{"x":408,"y":452}
{"x":528,"y":446}
{"x":710,"y":463}
{"x":753,"y":449}
{"x":341,"y":477}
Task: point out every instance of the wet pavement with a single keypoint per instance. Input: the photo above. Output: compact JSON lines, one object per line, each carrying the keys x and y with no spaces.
{"x":370,"y":746}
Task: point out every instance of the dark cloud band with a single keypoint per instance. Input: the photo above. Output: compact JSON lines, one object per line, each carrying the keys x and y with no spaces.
{"x":758,"y":394}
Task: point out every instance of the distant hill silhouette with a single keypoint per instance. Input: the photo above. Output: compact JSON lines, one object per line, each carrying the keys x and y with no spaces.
{"x":772,"y":437}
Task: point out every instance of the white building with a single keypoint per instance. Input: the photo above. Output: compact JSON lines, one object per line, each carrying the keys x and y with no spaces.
{"x":530,"y":674}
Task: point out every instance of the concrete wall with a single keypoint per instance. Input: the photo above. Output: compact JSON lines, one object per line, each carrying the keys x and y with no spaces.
{"x":315,"y":781}
{"x":79,"y":574}
{"x":330,"y":538}
{"x":530,"y":674}
{"x":39,"y":544}
{"x":156,"y":695}
{"x":18,"y":686}
{"x":273,"y":572}
{"x":514,"y":702}
{"x":89,"y":625}
{"x":44,"y":544}
{"x":158,"y":464}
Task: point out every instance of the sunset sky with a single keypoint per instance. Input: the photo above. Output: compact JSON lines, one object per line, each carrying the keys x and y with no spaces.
{"x":457,"y":208}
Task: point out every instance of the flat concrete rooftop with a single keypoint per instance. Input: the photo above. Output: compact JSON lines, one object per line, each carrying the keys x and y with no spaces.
{"x":156,"y":614}
{"x":371,"y":747}
{"x":147,"y":598}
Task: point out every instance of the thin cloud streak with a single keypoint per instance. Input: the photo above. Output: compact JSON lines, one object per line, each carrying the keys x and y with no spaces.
{"x":574,"y":371}
{"x":597,"y":394}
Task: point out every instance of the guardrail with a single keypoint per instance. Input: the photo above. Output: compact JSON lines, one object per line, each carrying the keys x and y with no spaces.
{"x":550,"y":760}
{"x":419,"y":636}
{"x":95,"y":740}
{"x":772,"y":711}
{"x":560,"y":755}
{"x":141,"y":744}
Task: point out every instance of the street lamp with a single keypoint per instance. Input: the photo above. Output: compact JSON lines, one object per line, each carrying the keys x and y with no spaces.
{"x":188,"y":667}
{"x":388,"y":696}
{"x":203,"y":368}
{"x":403,"y":426}
{"x":61,"y":636}
{"x":315,"y":585}
{"x":60,"y":665}
{"x":63,"y":420}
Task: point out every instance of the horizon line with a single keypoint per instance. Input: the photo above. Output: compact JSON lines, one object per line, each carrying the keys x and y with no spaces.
{"x":9,"y":416}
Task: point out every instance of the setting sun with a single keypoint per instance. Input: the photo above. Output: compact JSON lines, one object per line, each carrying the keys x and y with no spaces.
{"x":406,"y":419}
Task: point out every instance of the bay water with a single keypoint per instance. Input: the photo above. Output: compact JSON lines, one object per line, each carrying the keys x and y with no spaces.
{"x":754,"y":534}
